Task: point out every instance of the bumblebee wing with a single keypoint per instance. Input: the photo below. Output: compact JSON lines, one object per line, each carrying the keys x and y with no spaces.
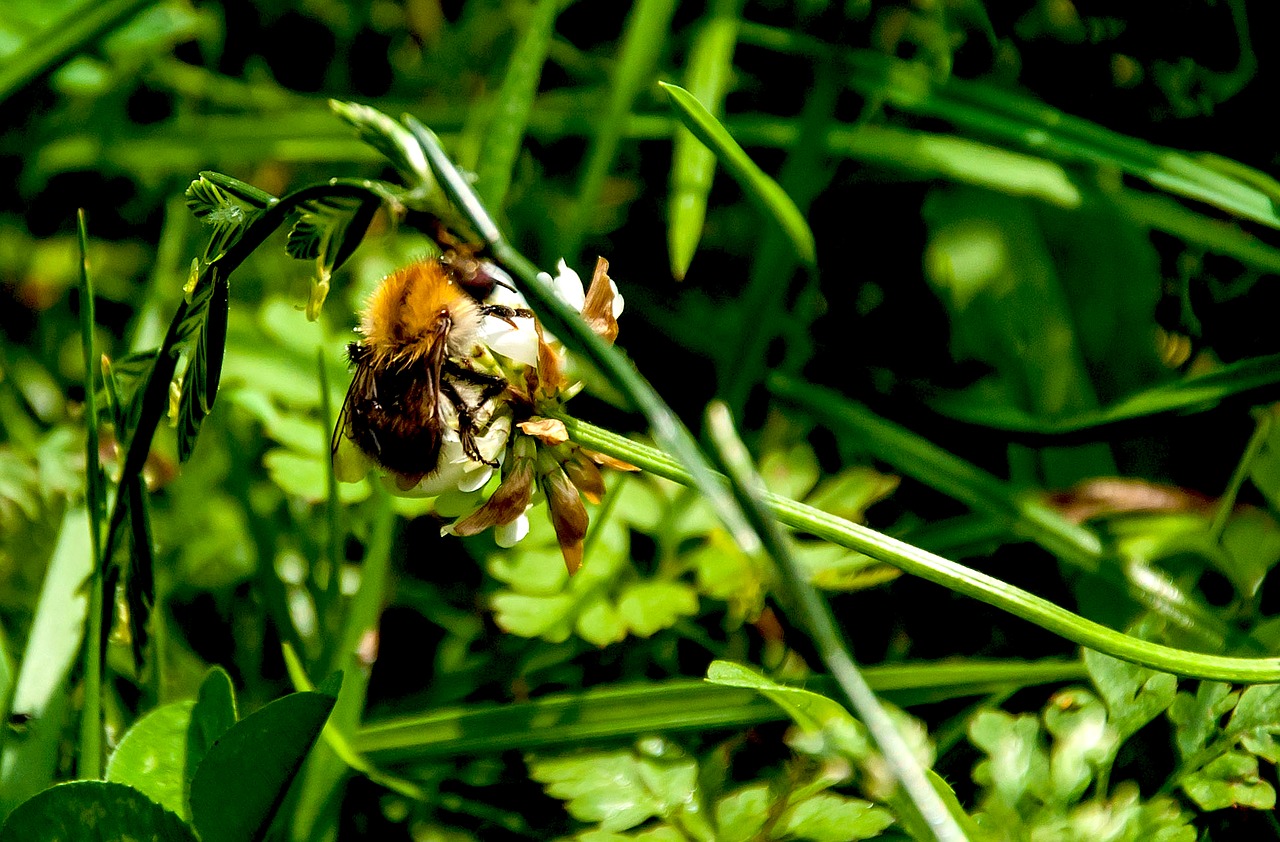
{"x":342,"y":429}
{"x":349,"y":463}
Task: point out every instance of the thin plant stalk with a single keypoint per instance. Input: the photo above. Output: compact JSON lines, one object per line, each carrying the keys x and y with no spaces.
{"x":1262,"y":429}
{"x":818,"y":620}
{"x":952,"y":575}
{"x":91,"y":717}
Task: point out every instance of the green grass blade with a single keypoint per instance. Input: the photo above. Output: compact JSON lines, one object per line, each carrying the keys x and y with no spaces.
{"x":963,"y":580}
{"x":646,"y":34}
{"x":1028,"y":123}
{"x":1022,"y":510}
{"x":693,"y":165}
{"x":821,"y":626}
{"x":804,"y":175}
{"x":28,"y":763}
{"x":921,"y":459}
{"x":338,"y":742}
{"x":510,"y":112}
{"x":1199,"y":393}
{"x":95,"y":498}
{"x":319,"y":797}
{"x":755,"y":183}
{"x":327,"y":598}
{"x":79,"y":27}
{"x":629,"y":710}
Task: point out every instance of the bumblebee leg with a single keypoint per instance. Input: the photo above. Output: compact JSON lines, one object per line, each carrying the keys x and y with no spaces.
{"x":501,"y":311}
{"x":491,"y":385}
{"x":466,"y":424}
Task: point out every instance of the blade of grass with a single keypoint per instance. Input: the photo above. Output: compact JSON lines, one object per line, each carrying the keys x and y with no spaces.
{"x":28,"y":762}
{"x":621,"y":711}
{"x":693,"y":166}
{"x":820,"y":624}
{"x":763,"y":303}
{"x":645,"y":35}
{"x":1020,"y":120}
{"x":339,"y":743}
{"x":79,"y":27}
{"x":90,"y":760}
{"x":318,"y":800}
{"x":327,"y":597}
{"x":510,"y":110}
{"x":1021,"y":509}
{"x":758,"y":186}
{"x":1226,"y":505}
{"x":1199,"y":393}
{"x":921,"y":459}
{"x":949,"y":574}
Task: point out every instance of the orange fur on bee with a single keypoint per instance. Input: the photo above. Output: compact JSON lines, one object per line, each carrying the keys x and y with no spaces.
{"x":414,"y":308}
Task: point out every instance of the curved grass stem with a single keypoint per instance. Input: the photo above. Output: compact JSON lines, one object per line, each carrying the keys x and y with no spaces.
{"x":951,"y":575}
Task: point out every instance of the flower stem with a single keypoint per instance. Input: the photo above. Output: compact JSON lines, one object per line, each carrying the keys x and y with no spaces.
{"x":949,"y":574}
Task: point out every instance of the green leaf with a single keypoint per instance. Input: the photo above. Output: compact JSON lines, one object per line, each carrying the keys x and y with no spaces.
{"x":619,"y":789}
{"x":743,"y":814}
{"x":303,"y":475}
{"x":1257,"y":720}
{"x":247,"y":193}
{"x":1016,"y":763}
{"x":1134,"y":695}
{"x":388,"y":137}
{"x":707,"y":75}
{"x":1195,"y":718}
{"x":823,"y":719}
{"x":213,"y":714}
{"x":121,"y":379}
{"x":205,"y":327}
{"x":212,"y":206}
{"x":828,"y":817}
{"x":1230,"y":781}
{"x":93,"y":811}
{"x":510,"y":114}
{"x":753,"y":180}
{"x":649,"y":607}
{"x":246,"y":773}
{"x":600,"y":622}
{"x":152,"y":756}
{"x":1019,"y":120}
{"x":548,"y":617}
{"x":204,"y":197}
{"x":1084,"y":742}
{"x":792,"y":471}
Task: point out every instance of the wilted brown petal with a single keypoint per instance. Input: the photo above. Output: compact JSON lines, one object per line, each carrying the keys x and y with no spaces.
{"x":608,"y":461}
{"x":549,"y":374}
{"x":584,"y":474}
{"x":550,"y":431}
{"x":508,"y":501}
{"x":568,"y":515}
{"x":572,"y":556}
{"x":1105,"y":496}
{"x":598,"y":309}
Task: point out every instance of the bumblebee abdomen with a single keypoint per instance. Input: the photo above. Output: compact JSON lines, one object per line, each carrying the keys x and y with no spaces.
{"x":397,"y":423}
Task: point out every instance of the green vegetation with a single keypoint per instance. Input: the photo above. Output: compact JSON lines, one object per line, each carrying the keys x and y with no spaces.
{"x":927,"y":485}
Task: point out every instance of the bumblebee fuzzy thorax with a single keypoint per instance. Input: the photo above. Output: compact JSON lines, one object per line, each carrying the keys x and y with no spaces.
{"x":417,"y":307}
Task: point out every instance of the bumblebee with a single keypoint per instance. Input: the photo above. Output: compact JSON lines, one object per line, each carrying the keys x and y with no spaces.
{"x":414,"y":370}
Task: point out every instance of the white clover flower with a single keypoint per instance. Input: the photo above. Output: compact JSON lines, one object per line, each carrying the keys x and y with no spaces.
{"x":518,"y":341}
{"x":456,"y":470}
{"x":568,"y":286}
